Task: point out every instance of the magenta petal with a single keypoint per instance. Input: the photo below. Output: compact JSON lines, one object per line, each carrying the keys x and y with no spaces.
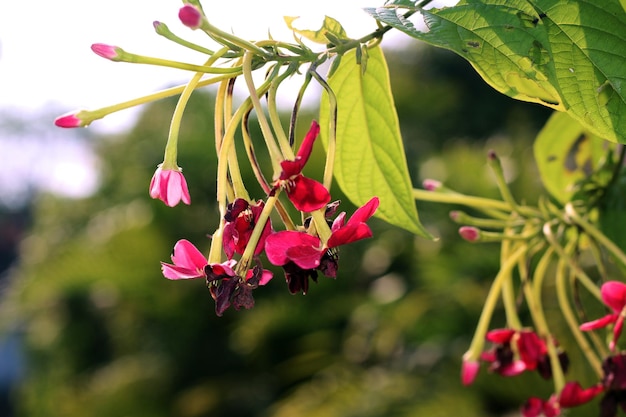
{"x":348,"y":234}
{"x":188,"y":256}
{"x":500,"y":336}
{"x":290,"y":169}
{"x":614,"y":295}
{"x":599,"y":323}
{"x":469,"y":370}
{"x":306,"y":147}
{"x":306,"y":257}
{"x":363,"y":213}
{"x":266,"y":277}
{"x":68,"y":121}
{"x":308,"y":195}
{"x":178,"y":272}
{"x":515,"y":368}
{"x":278,"y":244}
{"x":574,"y":395}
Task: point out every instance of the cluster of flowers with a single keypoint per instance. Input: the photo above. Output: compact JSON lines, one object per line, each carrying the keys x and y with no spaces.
{"x":301,"y":253}
{"x":516,"y":351}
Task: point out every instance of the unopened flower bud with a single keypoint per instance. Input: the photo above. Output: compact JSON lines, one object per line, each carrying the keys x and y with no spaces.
{"x":190,"y":16}
{"x":110,"y":52}
{"x":431,"y":185}
{"x":469,"y":370}
{"x":470,"y":233}
{"x":70,"y":120}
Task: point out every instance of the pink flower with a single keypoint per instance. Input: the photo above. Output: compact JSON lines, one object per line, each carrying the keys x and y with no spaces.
{"x":110,"y":52}
{"x":188,"y":262}
{"x":241,"y":218}
{"x":306,"y":194}
{"x":169,"y":186}
{"x":614,"y":296}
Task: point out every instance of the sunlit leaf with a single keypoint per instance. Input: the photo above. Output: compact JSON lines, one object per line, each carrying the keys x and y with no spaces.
{"x":564,"y":54}
{"x":330,"y":27}
{"x":566,"y":153}
{"x":370,"y":159}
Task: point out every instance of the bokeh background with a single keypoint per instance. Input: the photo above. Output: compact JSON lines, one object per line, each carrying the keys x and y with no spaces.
{"x":89,"y":327}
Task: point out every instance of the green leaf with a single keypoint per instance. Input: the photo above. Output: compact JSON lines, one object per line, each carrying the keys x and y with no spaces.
{"x":330,"y":27}
{"x":564,"y":54}
{"x":566,"y":154}
{"x":370,"y":159}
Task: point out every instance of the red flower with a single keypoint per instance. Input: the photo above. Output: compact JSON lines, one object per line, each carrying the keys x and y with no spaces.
{"x":306,"y":194}
{"x":532,"y":353}
{"x":614,"y":296}
{"x":169,"y":186}
{"x":301,"y":254}
{"x":241,"y":218}
{"x":536,"y":407}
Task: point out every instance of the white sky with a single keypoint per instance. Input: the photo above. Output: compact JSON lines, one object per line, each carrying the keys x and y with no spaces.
{"x":46,"y":63}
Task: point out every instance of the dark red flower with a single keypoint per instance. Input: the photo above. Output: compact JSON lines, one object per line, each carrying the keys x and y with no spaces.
{"x":305,"y":193}
{"x":535,"y":407}
{"x":614,"y":296}
{"x":573,"y":395}
{"x":356,"y":228}
{"x":241,"y":218}
{"x":516,"y":351}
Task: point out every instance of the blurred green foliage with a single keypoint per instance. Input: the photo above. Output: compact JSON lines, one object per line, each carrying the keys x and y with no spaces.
{"x":106,"y":335}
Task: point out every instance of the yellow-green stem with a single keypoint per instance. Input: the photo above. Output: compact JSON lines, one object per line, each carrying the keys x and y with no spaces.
{"x":263,"y":218}
{"x":478,"y":341}
{"x":332,"y":130}
{"x":272,"y":109}
{"x":275,"y":153}
{"x":570,"y":319}
{"x":595,"y":233}
{"x":580,"y":274}
{"x":508,"y":293}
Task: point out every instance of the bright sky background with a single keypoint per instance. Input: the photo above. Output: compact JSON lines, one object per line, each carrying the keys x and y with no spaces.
{"x":46,"y":64}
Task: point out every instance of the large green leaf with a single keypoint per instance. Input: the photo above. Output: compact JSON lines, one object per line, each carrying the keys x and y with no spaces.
{"x":370,"y":159}
{"x":566,"y":154}
{"x":565,"y":54}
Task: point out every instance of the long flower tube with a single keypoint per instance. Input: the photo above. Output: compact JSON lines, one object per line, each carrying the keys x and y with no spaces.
{"x":570,"y":319}
{"x":332,"y":130}
{"x":478,"y":341}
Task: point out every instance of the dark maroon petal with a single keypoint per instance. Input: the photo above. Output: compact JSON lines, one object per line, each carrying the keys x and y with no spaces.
{"x":235,"y":208}
{"x":531,"y":348}
{"x":307,"y":195}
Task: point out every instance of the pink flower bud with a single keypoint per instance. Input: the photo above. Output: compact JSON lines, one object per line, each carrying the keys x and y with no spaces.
{"x":107,"y":51}
{"x":190,"y":16}
{"x":169,"y":186}
{"x":431,"y":185}
{"x":469,"y":233}
{"x":469,"y":370}
{"x":70,"y":120}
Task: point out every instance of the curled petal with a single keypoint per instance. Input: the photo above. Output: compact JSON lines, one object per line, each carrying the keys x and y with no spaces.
{"x":363,"y":213}
{"x":600,"y":323}
{"x":513,"y":369}
{"x":574,"y":395}
{"x":307,"y":144}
